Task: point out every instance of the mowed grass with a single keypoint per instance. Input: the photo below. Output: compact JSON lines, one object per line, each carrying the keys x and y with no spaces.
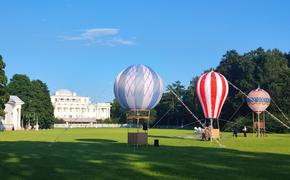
{"x":104,"y":154}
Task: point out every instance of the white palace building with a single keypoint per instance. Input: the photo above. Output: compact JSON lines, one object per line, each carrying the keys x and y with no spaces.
{"x":78,"y":109}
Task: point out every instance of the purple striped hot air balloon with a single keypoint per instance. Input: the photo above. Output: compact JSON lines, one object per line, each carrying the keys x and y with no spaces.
{"x":138,"y":88}
{"x":258,"y":100}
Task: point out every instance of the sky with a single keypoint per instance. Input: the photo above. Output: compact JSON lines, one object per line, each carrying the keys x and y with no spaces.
{"x":82,"y":45}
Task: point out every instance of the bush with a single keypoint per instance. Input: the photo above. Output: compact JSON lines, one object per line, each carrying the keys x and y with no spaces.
{"x":58,"y":121}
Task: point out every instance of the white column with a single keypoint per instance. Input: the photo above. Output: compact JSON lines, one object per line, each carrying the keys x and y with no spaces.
{"x":17,"y":118}
{"x":108,"y":111}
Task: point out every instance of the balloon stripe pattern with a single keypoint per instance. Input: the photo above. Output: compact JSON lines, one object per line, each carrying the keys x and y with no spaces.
{"x":138,"y":88}
{"x":212,"y":90}
{"x":258,"y":100}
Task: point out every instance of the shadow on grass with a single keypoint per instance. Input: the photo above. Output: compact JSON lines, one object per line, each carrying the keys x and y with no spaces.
{"x":97,"y":140}
{"x":196,"y":137}
{"x":169,"y":137}
{"x":105,"y":159}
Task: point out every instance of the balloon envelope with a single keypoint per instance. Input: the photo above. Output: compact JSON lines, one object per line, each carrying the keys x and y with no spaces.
{"x":258,"y":100}
{"x":212,"y":90}
{"x":138,"y":88}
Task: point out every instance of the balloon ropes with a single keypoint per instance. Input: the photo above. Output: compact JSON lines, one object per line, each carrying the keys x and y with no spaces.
{"x":258,"y":100}
{"x":212,"y":90}
{"x":138,"y":89}
{"x":186,"y":107}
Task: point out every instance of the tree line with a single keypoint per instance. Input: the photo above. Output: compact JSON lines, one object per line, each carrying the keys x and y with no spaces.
{"x":267,"y":69}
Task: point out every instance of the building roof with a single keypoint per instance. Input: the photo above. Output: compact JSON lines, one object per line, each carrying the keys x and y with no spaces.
{"x":105,"y":105}
{"x":64,"y":92}
{"x":15,"y":100}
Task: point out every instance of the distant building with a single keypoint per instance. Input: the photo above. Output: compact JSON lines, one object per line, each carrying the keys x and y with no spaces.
{"x":13,"y":114}
{"x":78,"y":109}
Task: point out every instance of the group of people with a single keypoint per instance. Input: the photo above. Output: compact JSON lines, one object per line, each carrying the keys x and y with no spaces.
{"x":235,"y":131}
{"x":204,"y":131}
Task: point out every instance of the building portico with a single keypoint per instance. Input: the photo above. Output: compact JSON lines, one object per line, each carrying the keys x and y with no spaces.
{"x":12,"y":118}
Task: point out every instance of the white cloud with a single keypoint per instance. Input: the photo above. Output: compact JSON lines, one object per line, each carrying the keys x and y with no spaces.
{"x":101,"y":36}
{"x":122,"y":41}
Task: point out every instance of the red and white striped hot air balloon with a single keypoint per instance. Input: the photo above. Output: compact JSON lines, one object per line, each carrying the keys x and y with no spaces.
{"x":212,"y":90}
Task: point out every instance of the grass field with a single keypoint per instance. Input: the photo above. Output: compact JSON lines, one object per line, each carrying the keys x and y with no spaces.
{"x":104,"y":154}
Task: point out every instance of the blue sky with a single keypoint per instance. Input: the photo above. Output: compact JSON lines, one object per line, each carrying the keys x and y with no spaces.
{"x":82,"y":45}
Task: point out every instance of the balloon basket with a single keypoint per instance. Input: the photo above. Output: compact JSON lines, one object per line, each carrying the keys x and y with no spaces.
{"x":137,"y":138}
{"x":211,"y":129}
{"x":138,"y":123}
{"x":215,"y":134}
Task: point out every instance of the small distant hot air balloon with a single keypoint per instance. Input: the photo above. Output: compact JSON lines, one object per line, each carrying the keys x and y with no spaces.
{"x":258,"y":100}
{"x":212,"y":90}
{"x":138,"y":89}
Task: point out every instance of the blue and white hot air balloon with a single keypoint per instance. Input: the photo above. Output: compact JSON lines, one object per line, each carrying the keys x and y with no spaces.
{"x":138,"y":88}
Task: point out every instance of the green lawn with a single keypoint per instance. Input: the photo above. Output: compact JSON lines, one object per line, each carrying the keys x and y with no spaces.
{"x":104,"y":154}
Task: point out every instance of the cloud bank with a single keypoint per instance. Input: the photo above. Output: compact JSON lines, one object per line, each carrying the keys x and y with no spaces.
{"x":101,"y":36}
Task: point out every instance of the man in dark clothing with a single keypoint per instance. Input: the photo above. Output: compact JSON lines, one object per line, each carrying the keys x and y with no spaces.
{"x":235,"y":132}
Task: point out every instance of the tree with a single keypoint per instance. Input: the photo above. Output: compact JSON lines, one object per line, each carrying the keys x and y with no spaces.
{"x":4,"y":95}
{"x":20,"y":86}
{"x":35,"y":95}
{"x":268,"y":69}
{"x":41,"y":105}
{"x":118,"y":113}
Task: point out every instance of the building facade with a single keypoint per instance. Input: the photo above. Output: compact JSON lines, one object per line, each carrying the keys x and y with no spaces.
{"x":72,"y":108}
{"x":12,"y":118}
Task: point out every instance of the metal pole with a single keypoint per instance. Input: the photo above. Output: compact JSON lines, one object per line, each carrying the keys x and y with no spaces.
{"x":211,"y":127}
{"x":137,"y":122}
{"x":253,"y":117}
{"x":34,"y":120}
{"x":264,"y":131}
{"x":148,"y":121}
{"x":218,"y":129}
{"x":259,"y":130}
{"x":137,"y":129}
{"x":37,"y":125}
{"x":147,"y":131}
